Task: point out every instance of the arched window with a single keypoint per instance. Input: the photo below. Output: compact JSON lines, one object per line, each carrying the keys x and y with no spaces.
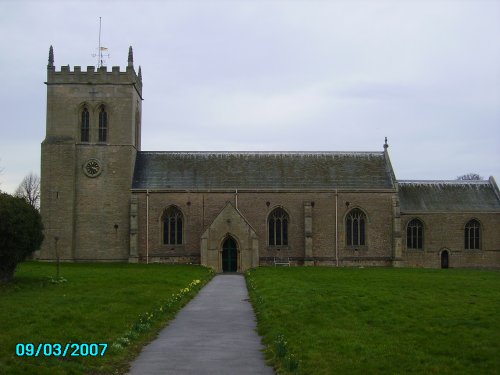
{"x":355,"y":227}
{"x":103,"y":124}
{"x":414,"y":234}
{"x":172,"y":226}
{"x":472,"y":235}
{"x":278,"y":227}
{"x":84,"y":126}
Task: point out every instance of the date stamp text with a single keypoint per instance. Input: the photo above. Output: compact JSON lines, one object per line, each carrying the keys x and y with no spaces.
{"x":61,"y":350}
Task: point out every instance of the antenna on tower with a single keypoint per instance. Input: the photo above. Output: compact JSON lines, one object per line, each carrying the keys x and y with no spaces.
{"x":100,"y":55}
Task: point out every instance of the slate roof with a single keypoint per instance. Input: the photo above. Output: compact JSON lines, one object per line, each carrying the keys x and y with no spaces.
{"x":261,"y":170}
{"x":452,"y":196}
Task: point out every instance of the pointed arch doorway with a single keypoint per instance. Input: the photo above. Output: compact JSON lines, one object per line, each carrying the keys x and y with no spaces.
{"x":229,"y":255}
{"x":230,"y":223}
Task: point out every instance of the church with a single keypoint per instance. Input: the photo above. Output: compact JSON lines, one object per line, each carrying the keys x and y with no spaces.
{"x":104,"y":199}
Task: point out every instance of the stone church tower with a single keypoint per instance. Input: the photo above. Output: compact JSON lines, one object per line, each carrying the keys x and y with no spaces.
{"x":92,"y":137}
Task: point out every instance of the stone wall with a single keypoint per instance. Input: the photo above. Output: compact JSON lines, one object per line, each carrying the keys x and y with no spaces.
{"x":200,"y":210}
{"x":446,"y":231}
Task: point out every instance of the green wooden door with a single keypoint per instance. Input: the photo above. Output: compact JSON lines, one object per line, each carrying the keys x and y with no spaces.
{"x":229,"y":256}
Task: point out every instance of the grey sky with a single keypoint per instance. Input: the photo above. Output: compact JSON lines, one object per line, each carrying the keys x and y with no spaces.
{"x":274,"y":75}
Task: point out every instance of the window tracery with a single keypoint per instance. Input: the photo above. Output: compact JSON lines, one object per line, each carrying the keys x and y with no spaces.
{"x":472,"y":235}
{"x":172,"y":226}
{"x":414,"y":234}
{"x":278,"y":227}
{"x":355,"y":227}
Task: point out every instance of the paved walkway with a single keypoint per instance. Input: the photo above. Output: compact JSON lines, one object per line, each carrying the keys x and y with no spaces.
{"x":213,"y":334}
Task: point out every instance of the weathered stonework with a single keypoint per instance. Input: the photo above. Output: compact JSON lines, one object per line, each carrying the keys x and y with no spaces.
{"x":230,"y":222}
{"x":88,"y":218}
{"x":117,"y":213}
{"x":445,"y":231}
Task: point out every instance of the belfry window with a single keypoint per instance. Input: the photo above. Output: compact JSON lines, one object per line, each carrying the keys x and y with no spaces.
{"x":103,"y":124}
{"x":278,"y":227}
{"x":414,"y":234}
{"x":85,"y":125}
{"x":472,"y":235}
{"x":355,"y":227}
{"x":172,"y":226}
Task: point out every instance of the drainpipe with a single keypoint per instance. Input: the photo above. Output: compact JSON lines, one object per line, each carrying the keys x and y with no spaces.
{"x":336,"y":228}
{"x":147,"y":226}
{"x":236,"y":198}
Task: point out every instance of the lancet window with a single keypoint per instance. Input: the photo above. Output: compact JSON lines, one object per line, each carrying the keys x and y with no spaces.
{"x":103,"y":124}
{"x":85,"y":125}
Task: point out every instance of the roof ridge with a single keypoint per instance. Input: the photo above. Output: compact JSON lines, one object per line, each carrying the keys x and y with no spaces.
{"x":265,"y":152}
{"x":445,"y":182}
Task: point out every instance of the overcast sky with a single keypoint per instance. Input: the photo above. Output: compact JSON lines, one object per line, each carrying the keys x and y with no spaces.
{"x":272,"y":76}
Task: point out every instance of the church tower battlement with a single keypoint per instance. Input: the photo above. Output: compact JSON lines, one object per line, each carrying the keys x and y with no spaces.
{"x":93,"y":133}
{"x":70,"y":92}
{"x":92,"y":75}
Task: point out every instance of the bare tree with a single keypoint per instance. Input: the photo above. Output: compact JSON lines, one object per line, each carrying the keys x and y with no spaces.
{"x":470,"y":176}
{"x":29,"y":189}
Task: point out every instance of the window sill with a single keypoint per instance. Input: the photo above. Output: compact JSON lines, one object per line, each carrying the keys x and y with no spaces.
{"x":278,"y":248}
{"x":357,"y":248}
{"x":172,"y":247}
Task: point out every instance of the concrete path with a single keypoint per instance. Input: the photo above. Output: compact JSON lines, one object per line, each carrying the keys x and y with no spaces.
{"x":213,"y":334}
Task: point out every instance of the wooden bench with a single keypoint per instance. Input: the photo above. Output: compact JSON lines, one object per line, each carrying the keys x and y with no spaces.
{"x":281,"y":261}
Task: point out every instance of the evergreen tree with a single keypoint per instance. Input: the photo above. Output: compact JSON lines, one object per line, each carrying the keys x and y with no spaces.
{"x":20,"y":233}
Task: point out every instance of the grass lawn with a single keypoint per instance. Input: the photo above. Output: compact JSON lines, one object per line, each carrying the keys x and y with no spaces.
{"x":123,"y":305}
{"x":378,"y":320}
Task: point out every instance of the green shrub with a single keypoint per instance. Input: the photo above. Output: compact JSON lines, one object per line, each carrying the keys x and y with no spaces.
{"x":20,"y":233}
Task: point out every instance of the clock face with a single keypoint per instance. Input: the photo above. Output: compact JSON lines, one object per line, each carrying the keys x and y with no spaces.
{"x":92,"y":168}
